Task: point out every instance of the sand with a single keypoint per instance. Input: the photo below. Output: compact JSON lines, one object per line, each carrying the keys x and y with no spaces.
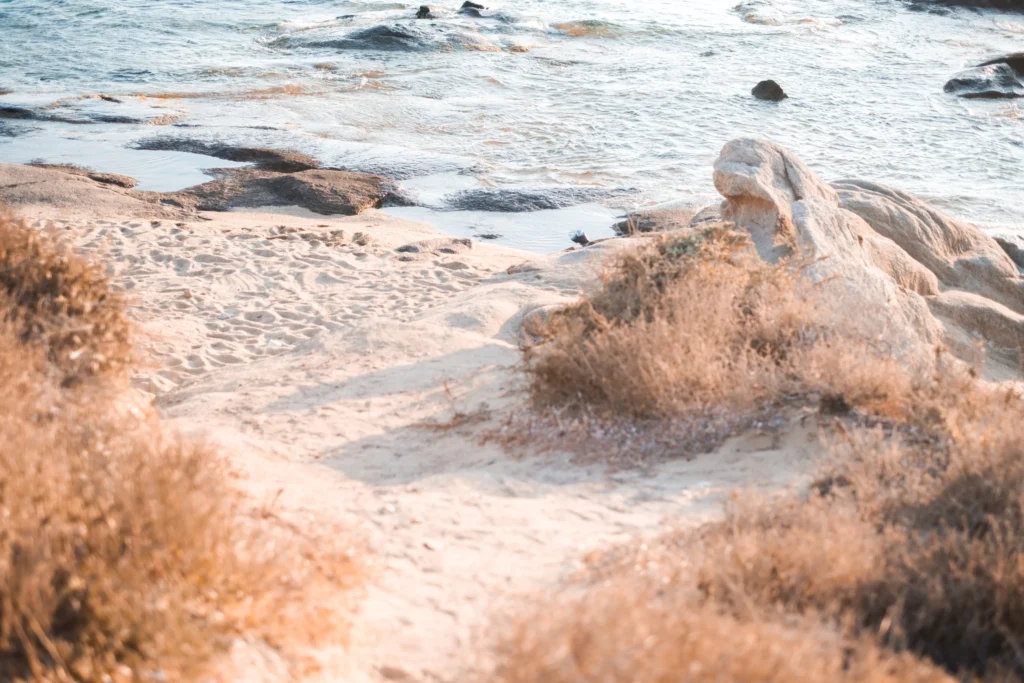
{"x":355,"y":384}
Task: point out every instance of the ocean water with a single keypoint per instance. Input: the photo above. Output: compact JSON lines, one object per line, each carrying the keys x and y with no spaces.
{"x":628,"y":100}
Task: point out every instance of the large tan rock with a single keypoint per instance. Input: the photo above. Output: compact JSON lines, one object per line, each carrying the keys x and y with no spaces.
{"x":960,"y":254}
{"x":901,"y":271}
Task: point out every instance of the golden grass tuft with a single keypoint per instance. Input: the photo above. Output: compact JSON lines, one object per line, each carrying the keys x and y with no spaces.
{"x":697,"y":327}
{"x":62,"y":302}
{"x":125,"y":553}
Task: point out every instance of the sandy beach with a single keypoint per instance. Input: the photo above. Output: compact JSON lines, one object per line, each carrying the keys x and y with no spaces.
{"x":359,"y":371}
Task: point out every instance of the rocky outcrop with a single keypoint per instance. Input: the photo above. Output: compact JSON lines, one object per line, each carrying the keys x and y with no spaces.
{"x":281,"y":161}
{"x":323,"y":192}
{"x":76,"y":192}
{"x":992,"y":81}
{"x":1013,"y":60}
{"x":902,"y":271}
{"x":115,"y":179}
{"x":85,"y":192}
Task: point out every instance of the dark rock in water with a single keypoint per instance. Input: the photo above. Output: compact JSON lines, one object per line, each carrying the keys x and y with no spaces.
{"x":508,"y":200}
{"x":975,"y":4}
{"x":1014,"y":60}
{"x":323,"y":192}
{"x":13,"y":112}
{"x":423,"y":13}
{"x":988,"y":82}
{"x":472,"y":9}
{"x":489,"y":236}
{"x":769,"y":91}
{"x":380,"y":38}
{"x":281,"y":161}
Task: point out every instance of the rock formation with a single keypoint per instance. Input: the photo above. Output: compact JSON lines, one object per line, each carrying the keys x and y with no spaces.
{"x":905,"y":273}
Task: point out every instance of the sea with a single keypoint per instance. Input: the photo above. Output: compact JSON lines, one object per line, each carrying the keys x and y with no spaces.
{"x":602,"y":107}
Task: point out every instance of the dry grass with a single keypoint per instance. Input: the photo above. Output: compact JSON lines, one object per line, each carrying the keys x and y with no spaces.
{"x":636,"y":631}
{"x":696,"y":327}
{"x":122,"y":550}
{"x":62,"y":302}
{"x":903,"y":562}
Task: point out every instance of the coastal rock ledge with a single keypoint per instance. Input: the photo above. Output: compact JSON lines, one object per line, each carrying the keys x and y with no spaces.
{"x":907,"y":274}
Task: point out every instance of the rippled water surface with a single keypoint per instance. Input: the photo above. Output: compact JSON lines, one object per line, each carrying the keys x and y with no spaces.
{"x":625,"y":95}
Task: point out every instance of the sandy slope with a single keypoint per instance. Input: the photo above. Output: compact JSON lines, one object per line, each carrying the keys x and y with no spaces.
{"x":322,"y":366}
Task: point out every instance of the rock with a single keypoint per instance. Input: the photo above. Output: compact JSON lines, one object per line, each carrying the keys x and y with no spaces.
{"x":469,"y":4}
{"x":513,"y":200}
{"x":281,"y":161}
{"x":980,"y":4}
{"x":580,"y":238}
{"x":437,"y":246}
{"x":769,"y":91}
{"x":959,"y":254}
{"x":103,"y":178}
{"x":471,"y":9}
{"x":989,"y":82}
{"x":63,"y":189}
{"x":660,"y":218}
{"x":1013,"y":245}
{"x":707,"y":216}
{"x":911,"y":274}
{"x":319,"y":191}
{"x":423,"y":13}
{"x":1014,"y":60}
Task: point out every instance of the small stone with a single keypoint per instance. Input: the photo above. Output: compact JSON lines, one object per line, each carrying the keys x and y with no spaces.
{"x":394,"y":673}
{"x":423,"y":13}
{"x":187,"y":294}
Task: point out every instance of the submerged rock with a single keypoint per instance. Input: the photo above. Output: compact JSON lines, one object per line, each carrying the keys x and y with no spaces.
{"x":511,"y":200}
{"x":281,"y":161}
{"x":769,"y":91}
{"x":911,"y":275}
{"x":993,"y":81}
{"x":323,"y":192}
{"x":423,"y":13}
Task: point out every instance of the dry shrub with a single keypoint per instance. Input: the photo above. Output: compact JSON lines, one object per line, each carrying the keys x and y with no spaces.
{"x":124,"y":552}
{"x":63,"y":302}
{"x":697,"y":327}
{"x":915,"y":537}
{"x":910,"y":542}
{"x":635,"y":631}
